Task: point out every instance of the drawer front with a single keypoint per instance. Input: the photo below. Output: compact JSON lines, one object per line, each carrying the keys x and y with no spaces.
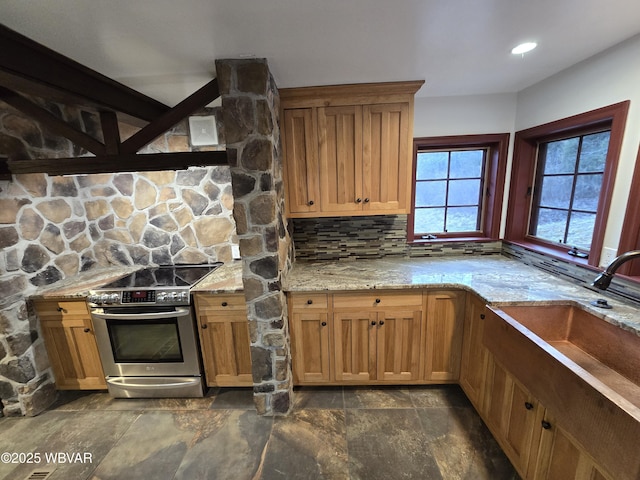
{"x":221,"y":303}
{"x":309,"y":301}
{"x":377,"y":300}
{"x":58,"y":308}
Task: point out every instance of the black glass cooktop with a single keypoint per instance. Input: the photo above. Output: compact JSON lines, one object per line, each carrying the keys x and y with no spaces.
{"x":164,"y":276}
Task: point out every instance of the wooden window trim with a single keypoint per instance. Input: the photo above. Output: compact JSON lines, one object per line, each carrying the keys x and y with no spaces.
{"x":630,"y":235}
{"x":525,"y":155}
{"x":498,"y":147}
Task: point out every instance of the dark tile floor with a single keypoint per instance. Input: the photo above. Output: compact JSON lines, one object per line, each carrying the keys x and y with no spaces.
{"x":333,"y":433}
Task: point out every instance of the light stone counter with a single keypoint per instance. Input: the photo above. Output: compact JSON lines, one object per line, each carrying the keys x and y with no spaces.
{"x":497,"y":279}
{"x":225,"y":279}
{"x":78,"y":286}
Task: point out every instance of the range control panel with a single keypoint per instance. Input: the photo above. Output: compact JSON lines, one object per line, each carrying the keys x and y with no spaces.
{"x":139,"y":297}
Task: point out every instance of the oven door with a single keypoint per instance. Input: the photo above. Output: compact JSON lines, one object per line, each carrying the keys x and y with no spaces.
{"x":146,"y":341}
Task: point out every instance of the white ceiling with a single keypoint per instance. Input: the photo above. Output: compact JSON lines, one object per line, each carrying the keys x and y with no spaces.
{"x":167,"y":48}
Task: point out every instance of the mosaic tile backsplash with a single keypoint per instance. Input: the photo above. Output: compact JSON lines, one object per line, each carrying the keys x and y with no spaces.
{"x":353,"y":238}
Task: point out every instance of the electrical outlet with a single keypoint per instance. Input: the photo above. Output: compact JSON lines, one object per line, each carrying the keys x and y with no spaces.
{"x":607,"y":256}
{"x":235,"y":252}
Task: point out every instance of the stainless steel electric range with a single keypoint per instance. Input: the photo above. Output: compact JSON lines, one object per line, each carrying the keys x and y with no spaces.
{"x":146,"y":332}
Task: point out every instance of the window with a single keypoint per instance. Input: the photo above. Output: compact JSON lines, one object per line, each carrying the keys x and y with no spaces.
{"x":458,"y":185}
{"x":567,"y":189}
{"x":561,"y":183}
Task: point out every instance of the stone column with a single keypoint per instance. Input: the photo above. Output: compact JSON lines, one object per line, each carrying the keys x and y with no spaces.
{"x":250,"y":105}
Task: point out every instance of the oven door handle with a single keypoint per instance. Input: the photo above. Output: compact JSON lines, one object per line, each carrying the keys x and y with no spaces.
{"x":179,"y":312}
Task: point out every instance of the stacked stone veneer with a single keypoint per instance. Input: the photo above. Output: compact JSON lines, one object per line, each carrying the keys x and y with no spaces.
{"x":54,"y":227}
{"x":250,"y":105}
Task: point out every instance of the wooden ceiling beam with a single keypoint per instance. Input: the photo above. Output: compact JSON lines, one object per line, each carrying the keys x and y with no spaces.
{"x":193,"y":102}
{"x":118,"y":163}
{"x":51,"y":122}
{"x":29,"y":67}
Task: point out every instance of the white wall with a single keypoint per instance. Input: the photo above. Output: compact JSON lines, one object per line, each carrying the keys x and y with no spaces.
{"x":466,"y":115}
{"x":609,"y":77}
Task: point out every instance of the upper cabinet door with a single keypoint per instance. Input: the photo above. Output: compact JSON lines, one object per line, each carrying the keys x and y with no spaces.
{"x":340,"y":152}
{"x":301,"y":163}
{"x":386,"y":158}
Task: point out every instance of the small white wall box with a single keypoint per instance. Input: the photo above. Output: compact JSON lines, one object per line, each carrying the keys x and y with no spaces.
{"x":203,"y":131}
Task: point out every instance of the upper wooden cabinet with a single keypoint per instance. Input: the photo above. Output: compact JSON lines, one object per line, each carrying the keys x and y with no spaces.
{"x":347,"y":149}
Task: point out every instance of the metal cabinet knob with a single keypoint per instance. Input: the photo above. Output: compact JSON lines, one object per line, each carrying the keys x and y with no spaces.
{"x":204,"y":326}
{"x":377,"y":300}
{"x":358,"y":200}
{"x":309,"y":302}
{"x":373,"y":323}
{"x":310,"y":203}
{"x":546,"y":425}
{"x":381,"y":322}
{"x":482,"y":316}
{"x":224,"y":304}
{"x":528,"y":405}
{"x":324,"y":324}
{"x":366,"y":200}
{"x":87,"y":330}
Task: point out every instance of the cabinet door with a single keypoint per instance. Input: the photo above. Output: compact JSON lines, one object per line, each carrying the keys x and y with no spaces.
{"x":398,"y":345}
{"x":354,"y":342}
{"x":301,"y":161}
{"x":71,"y":345}
{"x":340,"y":157}
{"x":224,"y":339}
{"x":560,"y":457}
{"x":386,"y":158}
{"x":310,"y":342}
{"x":445,"y":321}
{"x":474,"y":354}
{"x":511,"y":414}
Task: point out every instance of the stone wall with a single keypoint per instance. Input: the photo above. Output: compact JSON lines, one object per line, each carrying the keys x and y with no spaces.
{"x":54,"y":227}
{"x":250,"y":104}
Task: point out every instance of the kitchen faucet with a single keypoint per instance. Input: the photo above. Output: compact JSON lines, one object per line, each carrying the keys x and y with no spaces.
{"x":603,"y":280}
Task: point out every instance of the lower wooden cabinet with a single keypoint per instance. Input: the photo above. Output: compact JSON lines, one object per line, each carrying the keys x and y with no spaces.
{"x":310,"y":337}
{"x":370,"y":337}
{"x":474,"y":353}
{"x":71,"y":345}
{"x":559,"y":456}
{"x":510,"y":412}
{"x":444,"y":329}
{"x":224,"y":339}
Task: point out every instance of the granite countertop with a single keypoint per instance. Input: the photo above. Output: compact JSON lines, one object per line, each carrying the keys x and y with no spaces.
{"x":497,"y":279}
{"x":78,"y":286}
{"x":225,"y":279}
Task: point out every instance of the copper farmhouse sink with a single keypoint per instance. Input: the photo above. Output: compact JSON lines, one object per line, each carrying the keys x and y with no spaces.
{"x":606,"y":351}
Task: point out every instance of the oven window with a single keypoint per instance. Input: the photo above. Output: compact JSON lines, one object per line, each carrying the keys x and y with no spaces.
{"x":148,"y":341}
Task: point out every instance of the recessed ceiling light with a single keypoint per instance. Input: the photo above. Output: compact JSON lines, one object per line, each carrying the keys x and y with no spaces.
{"x":524,"y":48}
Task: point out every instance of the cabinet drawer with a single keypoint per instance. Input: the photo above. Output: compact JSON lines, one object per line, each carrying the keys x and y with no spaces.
{"x":377,"y":300}
{"x":58,"y":308}
{"x":221,"y":303}
{"x":309,"y":301}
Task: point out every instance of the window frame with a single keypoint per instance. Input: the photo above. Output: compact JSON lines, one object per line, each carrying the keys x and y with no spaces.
{"x":630,"y":235}
{"x":525,"y":159}
{"x":497,"y":146}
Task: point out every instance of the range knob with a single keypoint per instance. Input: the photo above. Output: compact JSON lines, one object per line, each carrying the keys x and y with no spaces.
{"x":93,"y":299}
{"x":173,"y":296}
{"x":114,"y":298}
{"x":183,"y":297}
{"x":161,"y":297}
{"x":105,"y":298}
